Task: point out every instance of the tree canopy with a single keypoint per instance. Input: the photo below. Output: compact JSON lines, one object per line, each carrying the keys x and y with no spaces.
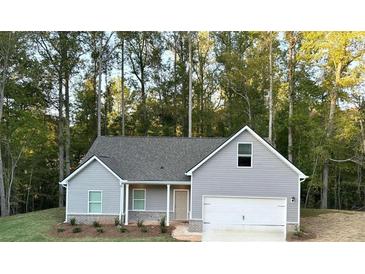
{"x":54,"y":84}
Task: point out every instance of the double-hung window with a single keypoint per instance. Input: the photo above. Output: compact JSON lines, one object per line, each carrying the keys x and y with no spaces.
{"x":244,"y":155}
{"x":139,"y":199}
{"x":95,"y":201}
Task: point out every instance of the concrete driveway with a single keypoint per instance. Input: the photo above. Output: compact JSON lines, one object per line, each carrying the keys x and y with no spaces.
{"x":262,"y":234}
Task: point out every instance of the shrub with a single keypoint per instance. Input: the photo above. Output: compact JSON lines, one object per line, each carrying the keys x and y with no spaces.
{"x":99,"y":230}
{"x":163,"y":227}
{"x":123,"y":229}
{"x":60,"y":229}
{"x":76,"y":229}
{"x":73,"y":221}
{"x":140,"y":223}
{"x":96,"y":224}
{"x":163,"y":221}
{"x":116,"y":221}
{"x":144,"y":229}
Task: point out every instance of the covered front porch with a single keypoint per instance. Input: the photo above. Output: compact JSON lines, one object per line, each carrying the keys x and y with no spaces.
{"x":151,"y":200}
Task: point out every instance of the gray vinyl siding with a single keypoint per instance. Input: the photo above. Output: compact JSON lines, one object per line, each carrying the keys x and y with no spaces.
{"x":269,"y":177}
{"x":155,"y":196}
{"x":93,"y":177}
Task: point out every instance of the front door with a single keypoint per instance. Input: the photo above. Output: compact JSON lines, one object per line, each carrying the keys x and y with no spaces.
{"x":181,"y":204}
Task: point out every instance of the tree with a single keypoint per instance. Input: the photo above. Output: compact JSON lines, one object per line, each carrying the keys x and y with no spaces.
{"x":337,"y":54}
{"x":291,"y":38}
{"x":6,"y":50}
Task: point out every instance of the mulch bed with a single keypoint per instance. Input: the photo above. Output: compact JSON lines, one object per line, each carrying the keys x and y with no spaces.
{"x":109,"y":231}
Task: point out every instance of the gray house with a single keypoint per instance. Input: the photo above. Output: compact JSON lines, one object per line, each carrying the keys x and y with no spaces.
{"x":240,"y":182}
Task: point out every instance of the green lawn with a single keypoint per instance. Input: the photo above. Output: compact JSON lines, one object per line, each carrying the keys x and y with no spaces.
{"x":35,"y":227}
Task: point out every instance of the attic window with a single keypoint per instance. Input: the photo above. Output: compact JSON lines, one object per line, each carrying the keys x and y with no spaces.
{"x":244,"y":155}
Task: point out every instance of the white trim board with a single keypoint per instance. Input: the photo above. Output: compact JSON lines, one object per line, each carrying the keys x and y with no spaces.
{"x":261,"y":140}
{"x":67,"y":179}
{"x":187,"y":183}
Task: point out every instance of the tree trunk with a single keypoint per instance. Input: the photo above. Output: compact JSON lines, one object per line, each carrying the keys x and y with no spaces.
{"x":122,"y":91}
{"x":144,"y":102}
{"x":3,"y":204}
{"x":99,"y":94}
{"x":329,"y":129}
{"x":106,"y":104}
{"x":67,"y":124}
{"x":271,"y":125}
{"x":291,"y":65}
{"x":61,"y":165}
{"x":190,"y":89}
{"x":14,"y":163}
{"x":28,"y":191}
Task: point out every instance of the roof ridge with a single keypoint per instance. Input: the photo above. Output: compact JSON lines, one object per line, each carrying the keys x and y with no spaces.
{"x":161,"y":137}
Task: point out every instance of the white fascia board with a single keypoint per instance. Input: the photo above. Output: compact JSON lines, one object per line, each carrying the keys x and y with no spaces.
{"x":262,"y":141}
{"x":67,"y":179}
{"x":160,"y":182}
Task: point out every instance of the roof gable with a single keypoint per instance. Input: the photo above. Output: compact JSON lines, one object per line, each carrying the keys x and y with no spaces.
{"x":261,"y":140}
{"x":84,"y":165}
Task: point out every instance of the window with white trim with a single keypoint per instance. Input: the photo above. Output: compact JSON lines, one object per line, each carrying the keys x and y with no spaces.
{"x":139,"y":199}
{"x":95,"y":201}
{"x":244,"y":155}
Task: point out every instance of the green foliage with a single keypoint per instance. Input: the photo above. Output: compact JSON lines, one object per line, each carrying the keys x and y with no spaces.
{"x":230,"y":87}
{"x":73,"y":221}
{"x":99,"y":230}
{"x":116,"y":221}
{"x":163,"y":221}
{"x":144,"y":229}
{"x":60,"y":229}
{"x":96,"y":224}
{"x":140,"y":223}
{"x":76,"y":229}
{"x":122,"y":229}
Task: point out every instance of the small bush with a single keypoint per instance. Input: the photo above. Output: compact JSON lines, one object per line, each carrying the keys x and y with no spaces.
{"x":163,"y":229}
{"x":116,"y":221}
{"x":76,"y":229}
{"x":123,"y":229}
{"x":163,"y":221}
{"x":73,"y":221}
{"x":99,"y":230}
{"x":144,"y":229}
{"x":60,"y":229}
{"x":140,"y":223}
{"x":96,"y":224}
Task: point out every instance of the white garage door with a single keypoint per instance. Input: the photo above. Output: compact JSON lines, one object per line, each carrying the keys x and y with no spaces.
{"x":243,"y":218}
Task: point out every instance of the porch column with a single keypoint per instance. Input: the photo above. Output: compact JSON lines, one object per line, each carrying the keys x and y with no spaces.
{"x":121,"y":202}
{"x":126,"y":204}
{"x":168,"y":205}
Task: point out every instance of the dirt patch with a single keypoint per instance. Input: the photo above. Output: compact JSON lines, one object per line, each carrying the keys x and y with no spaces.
{"x":109,"y":231}
{"x":335,"y":226}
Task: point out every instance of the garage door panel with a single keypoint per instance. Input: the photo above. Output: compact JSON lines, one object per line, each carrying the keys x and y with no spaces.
{"x":244,"y":214}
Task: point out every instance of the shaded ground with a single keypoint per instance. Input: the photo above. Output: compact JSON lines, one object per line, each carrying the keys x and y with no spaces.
{"x":321,"y":225}
{"x":42,"y":226}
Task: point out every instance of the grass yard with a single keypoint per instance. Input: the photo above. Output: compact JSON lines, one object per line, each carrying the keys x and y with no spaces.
{"x":39,"y":226}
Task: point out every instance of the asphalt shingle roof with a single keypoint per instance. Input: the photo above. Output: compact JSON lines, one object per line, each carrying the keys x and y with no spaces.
{"x":152,"y":158}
